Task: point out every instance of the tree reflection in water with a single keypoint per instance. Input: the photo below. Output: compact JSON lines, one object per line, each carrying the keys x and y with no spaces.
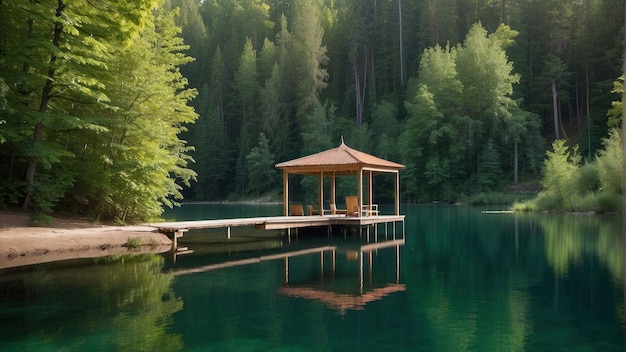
{"x":133,"y":312}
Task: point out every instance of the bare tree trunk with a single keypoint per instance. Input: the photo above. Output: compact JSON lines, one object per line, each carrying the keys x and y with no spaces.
{"x":555,"y":111}
{"x":624,"y":127}
{"x":515,"y":172}
{"x":587,"y":97}
{"x":624,"y":166}
{"x":359,"y":87}
{"x":357,"y":92}
{"x":401,"y":44}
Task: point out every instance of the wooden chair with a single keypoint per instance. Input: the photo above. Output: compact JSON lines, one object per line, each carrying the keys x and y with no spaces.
{"x":352,"y":205}
{"x":296,"y":210}
{"x":334,"y":210}
{"x":370,"y":209}
{"x":311,"y":211}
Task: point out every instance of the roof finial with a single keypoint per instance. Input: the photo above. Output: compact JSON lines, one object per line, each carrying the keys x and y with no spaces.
{"x":342,"y":139}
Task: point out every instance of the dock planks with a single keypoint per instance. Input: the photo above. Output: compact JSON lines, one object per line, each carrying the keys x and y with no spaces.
{"x":177,"y":229}
{"x":276,"y":222}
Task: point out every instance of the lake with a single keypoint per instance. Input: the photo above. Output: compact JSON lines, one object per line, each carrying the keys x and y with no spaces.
{"x":458,"y":279}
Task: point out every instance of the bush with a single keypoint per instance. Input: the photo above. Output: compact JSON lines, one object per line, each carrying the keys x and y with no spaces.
{"x":593,"y":187}
{"x":585,"y":203}
{"x":609,"y":164}
{"x":560,"y":168}
{"x":549,"y":201}
{"x":609,"y":202}
{"x":587,"y":179}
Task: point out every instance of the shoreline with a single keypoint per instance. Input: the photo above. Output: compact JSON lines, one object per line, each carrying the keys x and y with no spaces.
{"x":66,"y":239}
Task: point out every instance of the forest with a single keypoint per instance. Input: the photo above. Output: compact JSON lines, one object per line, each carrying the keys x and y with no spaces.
{"x":114,"y":110}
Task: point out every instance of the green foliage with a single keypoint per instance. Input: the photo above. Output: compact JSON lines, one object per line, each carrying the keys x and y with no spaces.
{"x":593,"y":187}
{"x":494,"y":198}
{"x":487,"y":78}
{"x":587,"y":179}
{"x":261,"y":165}
{"x":95,"y":109}
{"x":457,"y":108}
{"x":133,"y":242}
{"x":615,"y":112}
{"x":489,"y":169}
{"x":50,"y":187}
{"x":77,"y":91}
{"x":560,"y":168}
{"x":609,"y":164}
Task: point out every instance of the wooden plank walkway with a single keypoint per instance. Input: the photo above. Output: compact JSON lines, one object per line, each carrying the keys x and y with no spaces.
{"x":177,"y":229}
{"x":276,"y":222}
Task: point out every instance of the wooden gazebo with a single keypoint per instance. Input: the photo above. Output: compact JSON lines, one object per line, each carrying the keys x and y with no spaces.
{"x":341,"y":161}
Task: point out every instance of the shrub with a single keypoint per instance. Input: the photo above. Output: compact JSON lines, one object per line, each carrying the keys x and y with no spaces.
{"x":609,"y":163}
{"x":587,"y":179}
{"x":133,"y":243}
{"x":548,"y":201}
{"x":609,"y":202}
{"x":560,"y":168}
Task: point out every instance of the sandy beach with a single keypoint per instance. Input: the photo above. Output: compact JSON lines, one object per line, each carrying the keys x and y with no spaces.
{"x":63,"y":239}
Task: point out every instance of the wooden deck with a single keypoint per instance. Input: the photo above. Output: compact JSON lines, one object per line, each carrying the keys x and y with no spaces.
{"x":177,"y":229}
{"x":277,"y":222}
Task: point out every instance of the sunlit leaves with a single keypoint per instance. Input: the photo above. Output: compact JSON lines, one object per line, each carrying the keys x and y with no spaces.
{"x":559,"y":169}
{"x":457,"y":108}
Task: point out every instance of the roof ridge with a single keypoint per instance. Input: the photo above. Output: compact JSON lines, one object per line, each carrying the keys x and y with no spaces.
{"x":349,"y":151}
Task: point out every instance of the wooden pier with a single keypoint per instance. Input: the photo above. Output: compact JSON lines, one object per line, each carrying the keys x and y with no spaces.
{"x":176,"y":230}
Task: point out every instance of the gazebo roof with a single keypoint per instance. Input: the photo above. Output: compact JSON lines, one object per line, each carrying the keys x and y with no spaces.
{"x":342,"y":159}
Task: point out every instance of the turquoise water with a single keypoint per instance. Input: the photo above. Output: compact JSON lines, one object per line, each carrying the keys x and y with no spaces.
{"x":461,"y":281}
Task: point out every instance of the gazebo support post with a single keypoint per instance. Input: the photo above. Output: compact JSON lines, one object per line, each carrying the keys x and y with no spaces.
{"x":285,"y":193}
{"x":360,"y":187}
{"x":332,"y":190}
{"x":321,"y":193}
{"x":369,"y":190}
{"x":396,"y":193}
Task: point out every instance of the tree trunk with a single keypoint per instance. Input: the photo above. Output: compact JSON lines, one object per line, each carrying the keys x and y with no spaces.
{"x":357,"y":92}
{"x":401,"y":44}
{"x":588,"y":110}
{"x":624,"y":127}
{"x":31,"y":164}
{"x":515,"y":173}
{"x":359,"y":87}
{"x":555,"y":111}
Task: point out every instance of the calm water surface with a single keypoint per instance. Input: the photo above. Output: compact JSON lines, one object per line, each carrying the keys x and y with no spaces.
{"x":461,"y":280}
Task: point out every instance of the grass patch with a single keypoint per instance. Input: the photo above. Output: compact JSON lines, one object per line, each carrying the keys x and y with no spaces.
{"x":594,"y":202}
{"x":153,"y":243}
{"x":133,"y":242}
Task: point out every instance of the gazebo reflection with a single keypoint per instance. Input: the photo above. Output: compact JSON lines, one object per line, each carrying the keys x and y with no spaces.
{"x":339,"y":296}
{"x":336,"y":289}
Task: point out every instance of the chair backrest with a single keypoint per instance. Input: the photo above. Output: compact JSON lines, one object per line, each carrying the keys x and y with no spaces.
{"x":296,"y":210}
{"x":309,"y":209}
{"x":333,"y":209}
{"x":352,"y":205}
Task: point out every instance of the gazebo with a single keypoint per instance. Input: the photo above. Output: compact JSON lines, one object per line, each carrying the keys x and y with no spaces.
{"x":341,"y":161}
